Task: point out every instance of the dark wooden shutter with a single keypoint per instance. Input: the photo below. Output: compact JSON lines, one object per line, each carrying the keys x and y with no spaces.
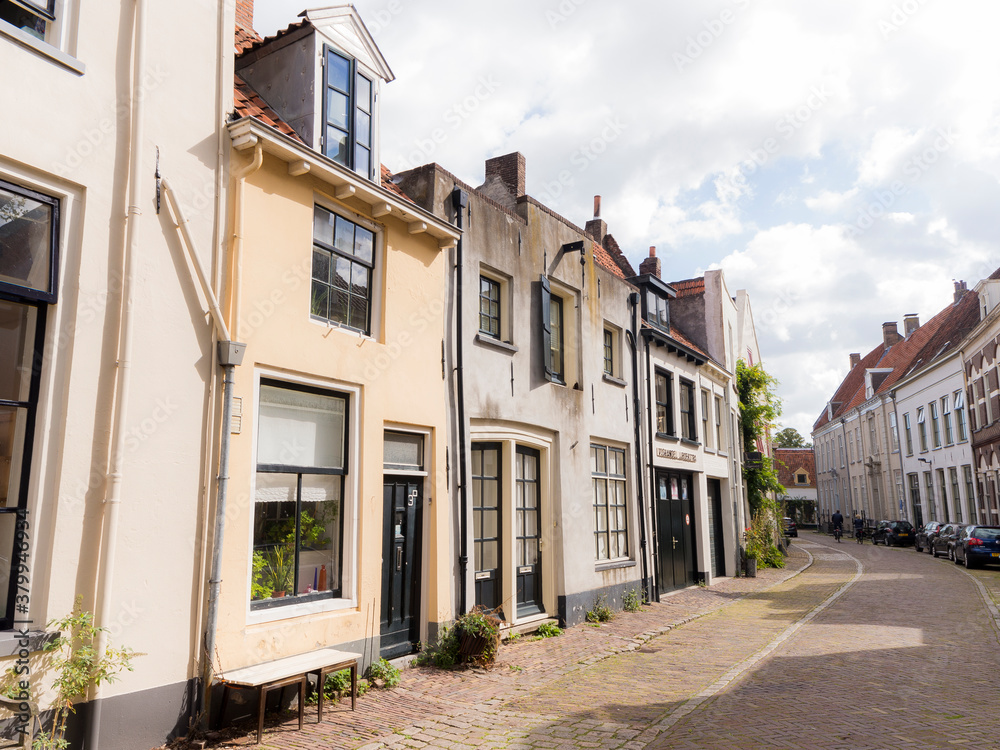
{"x":546,"y":325}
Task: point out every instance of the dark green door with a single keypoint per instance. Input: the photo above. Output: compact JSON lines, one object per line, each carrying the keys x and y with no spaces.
{"x":486,"y":522}
{"x":400,"y":627}
{"x":528,"y":519}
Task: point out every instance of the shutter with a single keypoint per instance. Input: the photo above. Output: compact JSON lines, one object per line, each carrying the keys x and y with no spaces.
{"x":546,"y":326}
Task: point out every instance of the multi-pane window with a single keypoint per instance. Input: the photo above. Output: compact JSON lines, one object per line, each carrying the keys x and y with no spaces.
{"x":720,"y":434}
{"x":688,"y":429}
{"x":557,"y":345}
{"x":801,"y":478}
{"x":909,"y":434}
{"x":607,"y":467}
{"x":956,"y":497}
{"x":657,"y":311}
{"x":609,"y":352}
{"x":489,"y":307}
{"x":949,"y":436}
{"x":850,"y":445}
{"x":963,"y":434}
{"x":29,"y":231}
{"x":929,"y":487}
{"x":706,"y":415}
{"x":299,"y":496}
{"x":28,"y":15}
{"x":348,"y":109}
{"x":914,"y":490}
{"x":922,"y":428}
{"x":664,"y":403}
{"x":840,"y":448}
{"x":970,"y":491}
{"x":486,"y":510}
{"x":935,"y":425}
{"x":893,"y":432}
{"x":943,"y":486}
{"x":342,"y":263}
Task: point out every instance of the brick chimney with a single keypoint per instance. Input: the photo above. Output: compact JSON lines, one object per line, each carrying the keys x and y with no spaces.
{"x":960,"y":290}
{"x":911,"y":322}
{"x":597,"y":227}
{"x":651,"y":265}
{"x":244,"y":14}
{"x":855,"y":359}
{"x":510,"y":169}
{"x":890,"y":334}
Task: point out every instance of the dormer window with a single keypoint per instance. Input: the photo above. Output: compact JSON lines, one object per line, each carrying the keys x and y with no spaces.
{"x":348,"y":108}
{"x":657,"y":312}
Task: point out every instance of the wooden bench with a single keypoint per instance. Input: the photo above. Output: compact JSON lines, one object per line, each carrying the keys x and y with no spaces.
{"x":291,"y":670}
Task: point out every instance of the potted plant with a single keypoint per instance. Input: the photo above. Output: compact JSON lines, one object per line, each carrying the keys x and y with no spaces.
{"x":751,"y":565}
{"x":277,"y":574}
{"x":478,"y":635}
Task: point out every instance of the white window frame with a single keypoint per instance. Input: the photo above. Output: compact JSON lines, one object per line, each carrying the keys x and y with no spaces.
{"x":57,"y":37}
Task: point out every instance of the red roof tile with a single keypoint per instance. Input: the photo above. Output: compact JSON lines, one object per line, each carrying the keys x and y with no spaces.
{"x":610,"y":245}
{"x":249,"y":103}
{"x":605,"y":260}
{"x":245,"y":39}
{"x":259,"y":42}
{"x":790,"y":460}
{"x":391,"y":186}
{"x":689,"y":287}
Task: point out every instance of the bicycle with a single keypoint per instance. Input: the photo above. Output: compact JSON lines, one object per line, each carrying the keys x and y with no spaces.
{"x":859,"y":535}
{"x":837,"y":532}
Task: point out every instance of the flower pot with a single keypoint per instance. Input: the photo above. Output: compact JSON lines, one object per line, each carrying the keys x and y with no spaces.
{"x":472,"y":645}
{"x":751,"y":567}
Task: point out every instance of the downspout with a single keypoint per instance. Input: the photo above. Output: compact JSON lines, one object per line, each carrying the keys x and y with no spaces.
{"x":459,"y":200}
{"x":652,"y":467}
{"x":633,"y":300}
{"x":847,"y":463}
{"x":230,"y":355}
{"x":237,"y":248}
{"x":116,"y":448}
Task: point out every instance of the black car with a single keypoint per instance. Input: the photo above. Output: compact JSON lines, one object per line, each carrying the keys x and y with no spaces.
{"x":943,"y":542}
{"x":790,"y":528}
{"x":925,"y":534}
{"x":977,"y":545}
{"x":893,"y":533}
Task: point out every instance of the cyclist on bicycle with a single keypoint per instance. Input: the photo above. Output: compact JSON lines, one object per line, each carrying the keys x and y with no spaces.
{"x":859,"y":528}
{"x":838,"y":524}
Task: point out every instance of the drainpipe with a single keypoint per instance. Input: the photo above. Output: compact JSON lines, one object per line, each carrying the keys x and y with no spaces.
{"x":230,"y":355}
{"x":652,"y":467}
{"x":116,"y":448}
{"x":237,"y":246}
{"x":633,"y":301}
{"x":459,"y":200}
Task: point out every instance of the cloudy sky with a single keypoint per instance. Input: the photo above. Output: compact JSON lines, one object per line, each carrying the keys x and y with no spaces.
{"x":840,"y":160}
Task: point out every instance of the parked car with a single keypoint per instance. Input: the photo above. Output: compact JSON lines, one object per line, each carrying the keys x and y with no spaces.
{"x":922,"y":542}
{"x":977,"y":545}
{"x":789,"y":526}
{"x":893,"y":533}
{"x":943,"y":542}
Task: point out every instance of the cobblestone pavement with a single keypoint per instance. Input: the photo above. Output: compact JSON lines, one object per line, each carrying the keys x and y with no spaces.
{"x":819,"y":655}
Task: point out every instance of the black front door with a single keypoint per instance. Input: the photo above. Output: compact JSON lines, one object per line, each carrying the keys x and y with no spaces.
{"x":486,"y":522}
{"x":527,"y":509}
{"x":675,"y":537}
{"x":401,"y":566}
{"x":715,"y":532}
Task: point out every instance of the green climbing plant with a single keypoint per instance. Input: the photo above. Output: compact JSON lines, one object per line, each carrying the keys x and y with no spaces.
{"x":759,"y":408}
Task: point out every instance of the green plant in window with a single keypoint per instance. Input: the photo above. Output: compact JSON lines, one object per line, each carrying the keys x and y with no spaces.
{"x":258,"y":587}
{"x":278,"y":570}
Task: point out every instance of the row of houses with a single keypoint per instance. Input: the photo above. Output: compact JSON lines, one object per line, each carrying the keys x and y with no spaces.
{"x":260,"y":396}
{"x":912,"y":431}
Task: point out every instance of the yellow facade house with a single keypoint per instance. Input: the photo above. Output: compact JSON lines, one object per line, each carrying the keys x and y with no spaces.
{"x":337,"y":521}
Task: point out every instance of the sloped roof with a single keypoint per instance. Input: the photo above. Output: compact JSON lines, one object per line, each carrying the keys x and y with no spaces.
{"x":249,"y":103}
{"x":258,"y":41}
{"x":606,"y":261}
{"x":610,"y":245}
{"x":790,"y":460}
{"x":689,"y":287}
{"x":936,"y":337}
{"x":245,"y":39}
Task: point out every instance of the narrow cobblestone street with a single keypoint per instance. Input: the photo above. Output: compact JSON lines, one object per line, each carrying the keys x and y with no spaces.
{"x":848,"y":647}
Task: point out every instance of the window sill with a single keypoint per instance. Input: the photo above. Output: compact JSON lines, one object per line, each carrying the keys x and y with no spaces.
{"x":614,"y":381}
{"x":613,"y":564}
{"x":298,"y":606}
{"x":10,"y":641}
{"x":666,"y":436}
{"x":42,"y":48}
{"x":692,"y":443}
{"x":496,"y":344}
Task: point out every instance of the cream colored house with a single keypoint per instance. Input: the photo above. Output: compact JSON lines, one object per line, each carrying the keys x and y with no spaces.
{"x":107,"y":374}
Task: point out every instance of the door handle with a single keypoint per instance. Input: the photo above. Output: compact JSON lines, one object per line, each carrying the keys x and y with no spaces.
{"x":674,"y":539}
{"x":399,"y":558}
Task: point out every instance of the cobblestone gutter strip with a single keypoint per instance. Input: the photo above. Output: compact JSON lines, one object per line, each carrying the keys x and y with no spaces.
{"x":750,"y":662}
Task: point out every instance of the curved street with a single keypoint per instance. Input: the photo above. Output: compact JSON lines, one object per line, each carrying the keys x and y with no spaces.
{"x":852,"y":646}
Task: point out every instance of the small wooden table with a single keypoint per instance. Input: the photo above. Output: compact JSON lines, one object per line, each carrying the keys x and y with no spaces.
{"x":291,"y":670}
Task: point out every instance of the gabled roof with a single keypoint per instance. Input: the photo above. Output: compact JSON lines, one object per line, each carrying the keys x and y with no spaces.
{"x":343,"y":25}
{"x":689,"y":287}
{"x":791,"y":460}
{"x":935,"y":338}
{"x":610,"y":246}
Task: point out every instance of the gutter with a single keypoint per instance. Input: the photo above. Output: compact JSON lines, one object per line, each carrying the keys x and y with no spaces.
{"x":459,"y":200}
{"x":633,"y":300}
{"x":652,"y":468}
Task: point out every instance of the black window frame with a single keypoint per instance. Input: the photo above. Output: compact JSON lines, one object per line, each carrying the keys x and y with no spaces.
{"x":687,"y":416}
{"x":299,"y":471}
{"x":554,"y":366}
{"x":333,"y":253}
{"x":667,"y":405}
{"x":30,"y":407}
{"x":657,"y":310}
{"x":490,"y":294}
{"x":27,"y":292}
{"x":609,"y":352}
{"x":353,"y":109}
{"x":610,"y":509}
